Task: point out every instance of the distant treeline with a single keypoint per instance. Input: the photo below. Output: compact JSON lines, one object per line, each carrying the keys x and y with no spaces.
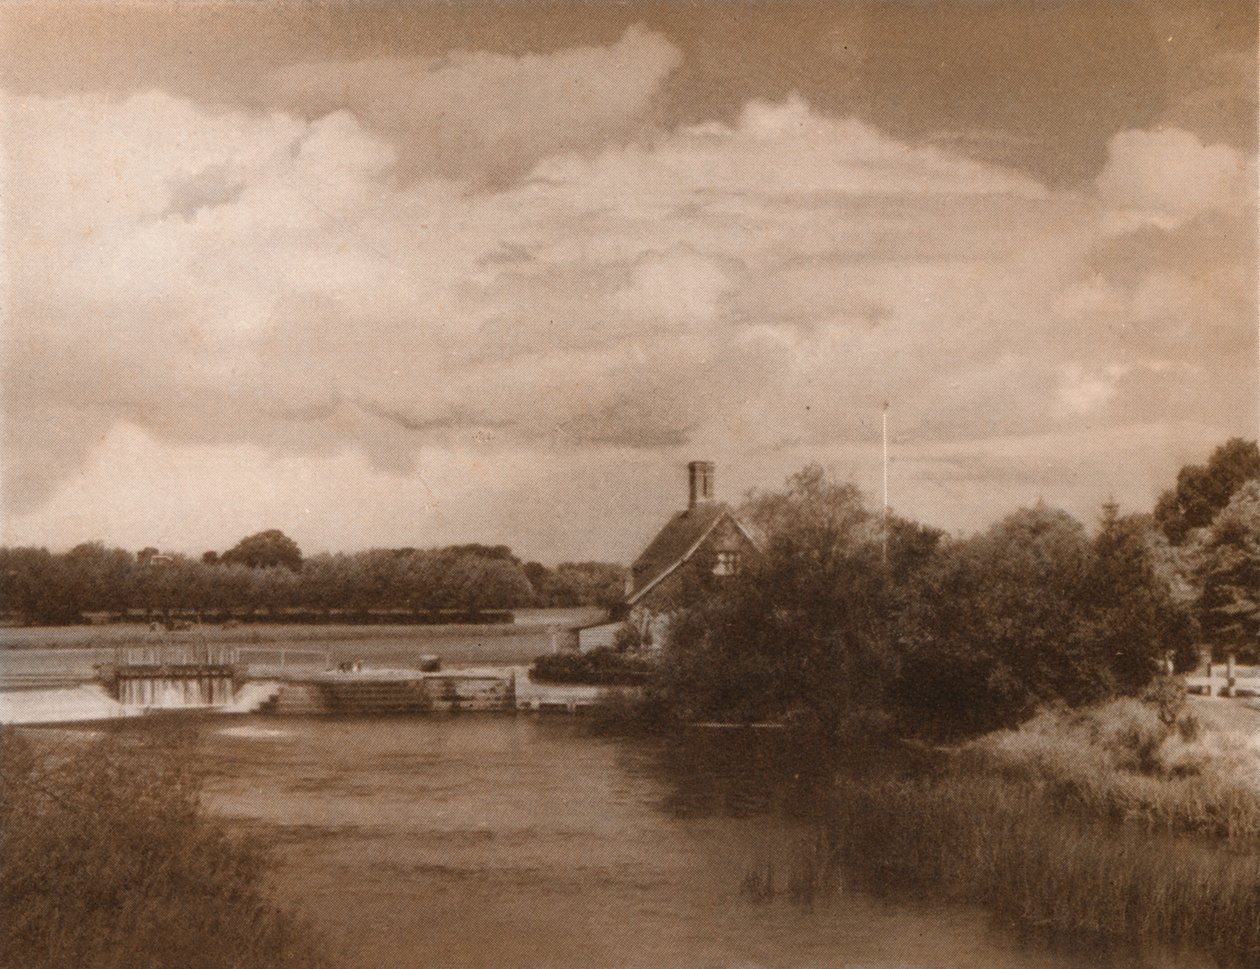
{"x":265,"y":576}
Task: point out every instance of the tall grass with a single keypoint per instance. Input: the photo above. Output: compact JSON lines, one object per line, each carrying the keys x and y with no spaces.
{"x":1121,"y":761}
{"x":1108,"y":822}
{"x":807,"y":873}
{"x":990,"y":840}
{"x":108,"y":861}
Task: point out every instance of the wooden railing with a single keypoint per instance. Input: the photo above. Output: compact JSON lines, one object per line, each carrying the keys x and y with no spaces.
{"x":1226,"y":679}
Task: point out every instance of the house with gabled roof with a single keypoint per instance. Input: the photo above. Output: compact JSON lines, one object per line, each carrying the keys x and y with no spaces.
{"x":698,"y":547}
{"x":703,"y":543}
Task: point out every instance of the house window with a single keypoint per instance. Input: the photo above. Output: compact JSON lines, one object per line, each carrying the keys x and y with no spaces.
{"x":727,"y":563}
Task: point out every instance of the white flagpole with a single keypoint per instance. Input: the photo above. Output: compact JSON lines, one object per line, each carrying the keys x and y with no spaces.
{"x":885,"y":528}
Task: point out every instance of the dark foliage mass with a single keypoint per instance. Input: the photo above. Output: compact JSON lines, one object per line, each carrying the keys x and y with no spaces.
{"x":265,"y":575}
{"x":598,"y":667}
{"x":1203,"y":490}
{"x":1033,"y":611}
{"x":1229,"y":572}
{"x":578,"y":584}
{"x":108,"y":861}
{"x":265,"y":550}
{"x":804,"y":629}
{"x":859,"y":630}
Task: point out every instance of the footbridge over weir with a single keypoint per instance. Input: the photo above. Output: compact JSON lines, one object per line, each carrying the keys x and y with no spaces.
{"x":295,"y":682}
{"x":172,"y":678}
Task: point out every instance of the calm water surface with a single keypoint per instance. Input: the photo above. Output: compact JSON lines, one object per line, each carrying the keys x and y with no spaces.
{"x":521,"y":842}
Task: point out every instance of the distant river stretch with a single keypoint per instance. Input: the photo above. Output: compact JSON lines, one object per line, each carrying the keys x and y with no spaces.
{"x":518,"y":843}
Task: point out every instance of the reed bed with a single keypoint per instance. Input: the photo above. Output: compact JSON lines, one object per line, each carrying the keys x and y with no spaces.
{"x":110,"y":863}
{"x":1121,"y":761}
{"x":985,"y":839}
{"x":1106,"y":822}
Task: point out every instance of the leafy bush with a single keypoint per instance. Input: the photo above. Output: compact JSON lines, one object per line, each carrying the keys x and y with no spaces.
{"x":1122,"y":761}
{"x":1033,"y":612}
{"x":599,"y":667}
{"x":803,"y":630}
{"x":856,"y":625}
{"x":108,"y":862}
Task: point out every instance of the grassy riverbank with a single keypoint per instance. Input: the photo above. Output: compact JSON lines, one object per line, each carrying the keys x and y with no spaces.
{"x":1103,"y":822}
{"x":533,"y":623}
{"x":109,"y":861}
{"x":71,"y":652}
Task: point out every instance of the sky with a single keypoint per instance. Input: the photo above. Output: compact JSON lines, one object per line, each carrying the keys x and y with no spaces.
{"x":415,"y":274}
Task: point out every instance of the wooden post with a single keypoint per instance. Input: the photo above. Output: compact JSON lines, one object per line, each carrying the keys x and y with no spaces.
{"x":1229,"y":674}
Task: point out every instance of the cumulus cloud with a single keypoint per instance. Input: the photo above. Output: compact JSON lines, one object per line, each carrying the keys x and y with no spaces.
{"x":478,"y":115}
{"x":1168,"y":176}
{"x":304,"y":287}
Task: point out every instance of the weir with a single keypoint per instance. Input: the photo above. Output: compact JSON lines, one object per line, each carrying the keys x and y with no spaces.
{"x":173,"y":689}
{"x":245,"y":680}
{"x":172,"y":679}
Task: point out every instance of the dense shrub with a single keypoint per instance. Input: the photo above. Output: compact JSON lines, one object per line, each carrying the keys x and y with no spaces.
{"x":1125,"y":761}
{"x":1032,"y":612}
{"x":857,"y":625}
{"x":109,"y":862}
{"x":599,"y":667}
{"x":804,"y":630}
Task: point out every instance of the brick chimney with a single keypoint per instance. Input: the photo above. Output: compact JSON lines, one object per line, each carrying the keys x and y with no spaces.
{"x":700,"y":478}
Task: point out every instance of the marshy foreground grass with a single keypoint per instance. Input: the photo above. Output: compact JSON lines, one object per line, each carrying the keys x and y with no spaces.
{"x":1108,"y":822}
{"x":1123,"y":761}
{"x":109,"y":861}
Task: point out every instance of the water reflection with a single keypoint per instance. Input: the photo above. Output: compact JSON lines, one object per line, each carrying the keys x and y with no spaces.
{"x":740,"y":773}
{"x":518,"y":842}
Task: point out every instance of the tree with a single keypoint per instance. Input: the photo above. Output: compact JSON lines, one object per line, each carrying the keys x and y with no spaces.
{"x":1229,"y":607}
{"x":578,"y":584}
{"x":1203,"y":490}
{"x":540,"y":578}
{"x":1030,"y":612}
{"x":329,"y":582}
{"x":383,"y":583}
{"x":803,"y":629}
{"x":159,"y":583}
{"x":990,"y":629}
{"x":477,"y":583}
{"x":1136,"y":615}
{"x":97,"y":577}
{"x":420,"y":581}
{"x":478,"y":550}
{"x":36,"y":585}
{"x":229,"y":587}
{"x":275,"y":589}
{"x":265,"y":550}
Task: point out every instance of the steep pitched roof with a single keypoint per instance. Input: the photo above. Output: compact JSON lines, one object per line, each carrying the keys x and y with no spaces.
{"x":675,"y":542}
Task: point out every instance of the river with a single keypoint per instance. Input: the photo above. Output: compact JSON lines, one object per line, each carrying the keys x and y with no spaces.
{"x":478,"y":841}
